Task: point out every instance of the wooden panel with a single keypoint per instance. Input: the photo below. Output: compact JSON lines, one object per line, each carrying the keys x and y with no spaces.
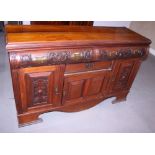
{"x":85,"y":86}
{"x":49,"y":28}
{"x":49,"y":22}
{"x":16,"y":90}
{"x":81,"y":67}
{"x":80,"y":35}
{"x":40,"y":86}
{"x":75,"y":89}
{"x":94,"y":86}
{"x":125,"y":71}
{"x":84,"y":23}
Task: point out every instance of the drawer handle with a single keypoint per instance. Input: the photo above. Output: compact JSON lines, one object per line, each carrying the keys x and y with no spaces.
{"x":39,"y":59}
{"x":76,"y":56}
{"x":89,"y":65}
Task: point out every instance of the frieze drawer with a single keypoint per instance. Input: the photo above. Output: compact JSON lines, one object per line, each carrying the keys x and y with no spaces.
{"x":90,"y":66}
{"x":71,"y":56}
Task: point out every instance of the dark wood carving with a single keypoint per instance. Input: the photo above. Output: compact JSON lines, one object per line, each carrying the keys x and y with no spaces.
{"x":40,"y":87}
{"x":123,"y":76}
{"x":40,"y":94}
{"x":71,"y":68}
{"x":21,"y":60}
{"x":84,"y":23}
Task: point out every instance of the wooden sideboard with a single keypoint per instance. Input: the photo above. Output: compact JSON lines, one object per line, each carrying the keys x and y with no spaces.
{"x":71,"y":68}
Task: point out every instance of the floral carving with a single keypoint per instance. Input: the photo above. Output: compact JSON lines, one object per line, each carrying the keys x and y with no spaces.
{"x":58,"y":57}
{"x":39,"y":90}
{"x":88,"y":54}
{"x":26,"y":60}
{"x":20,"y":60}
{"x":120,"y":54}
{"x":123,"y":76}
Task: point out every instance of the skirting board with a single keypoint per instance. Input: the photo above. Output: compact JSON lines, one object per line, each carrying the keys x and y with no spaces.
{"x":152,"y":51}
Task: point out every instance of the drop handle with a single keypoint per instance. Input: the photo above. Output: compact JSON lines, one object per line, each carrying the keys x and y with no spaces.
{"x":57,"y":91}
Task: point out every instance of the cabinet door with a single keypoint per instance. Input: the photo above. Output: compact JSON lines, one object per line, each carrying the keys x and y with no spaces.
{"x":85,"y":86}
{"x":40,"y":86}
{"x":124,"y":74}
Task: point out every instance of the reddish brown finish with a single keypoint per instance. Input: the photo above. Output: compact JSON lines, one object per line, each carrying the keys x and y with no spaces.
{"x":90,"y":66}
{"x":71,"y":68}
{"x":68,"y":36}
{"x":49,"y":23}
{"x":82,"y":23}
{"x":84,"y":86}
{"x":40,"y":86}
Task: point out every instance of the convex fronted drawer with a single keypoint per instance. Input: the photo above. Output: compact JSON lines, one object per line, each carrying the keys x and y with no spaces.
{"x":21,"y":59}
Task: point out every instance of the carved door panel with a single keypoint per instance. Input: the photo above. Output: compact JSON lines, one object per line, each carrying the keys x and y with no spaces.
{"x":40,"y":86}
{"x":85,"y":87}
{"x":124,"y":74}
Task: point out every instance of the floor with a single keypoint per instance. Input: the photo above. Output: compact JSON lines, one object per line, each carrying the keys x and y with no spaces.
{"x":137,"y":114}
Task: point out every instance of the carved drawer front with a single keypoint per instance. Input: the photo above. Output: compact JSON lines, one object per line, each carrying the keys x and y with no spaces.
{"x":23,"y":59}
{"x":40,"y":87}
{"x":85,"y":87}
{"x":125,"y":72}
{"x":82,"y":67}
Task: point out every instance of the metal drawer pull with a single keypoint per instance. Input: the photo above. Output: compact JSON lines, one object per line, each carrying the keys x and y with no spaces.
{"x":76,"y":56}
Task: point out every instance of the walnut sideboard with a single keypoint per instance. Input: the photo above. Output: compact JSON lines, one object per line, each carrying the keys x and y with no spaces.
{"x":71,"y":68}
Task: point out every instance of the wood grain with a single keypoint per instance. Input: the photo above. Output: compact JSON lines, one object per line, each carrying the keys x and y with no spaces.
{"x":61,"y":36}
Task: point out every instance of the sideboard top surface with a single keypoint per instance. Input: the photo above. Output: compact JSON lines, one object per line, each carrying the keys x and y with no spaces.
{"x":37,"y":36}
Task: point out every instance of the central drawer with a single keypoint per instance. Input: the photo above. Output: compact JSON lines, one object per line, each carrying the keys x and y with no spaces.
{"x":82,"y":67}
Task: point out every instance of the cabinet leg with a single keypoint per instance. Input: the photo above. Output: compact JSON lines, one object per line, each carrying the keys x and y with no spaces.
{"x":120,"y":98}
{"x":28,"y":119}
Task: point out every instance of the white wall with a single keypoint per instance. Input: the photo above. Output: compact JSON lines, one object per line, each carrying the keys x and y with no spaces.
{"x":112,"y":23}
{"x":26,"y":22}
{"x":147,"y":29}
